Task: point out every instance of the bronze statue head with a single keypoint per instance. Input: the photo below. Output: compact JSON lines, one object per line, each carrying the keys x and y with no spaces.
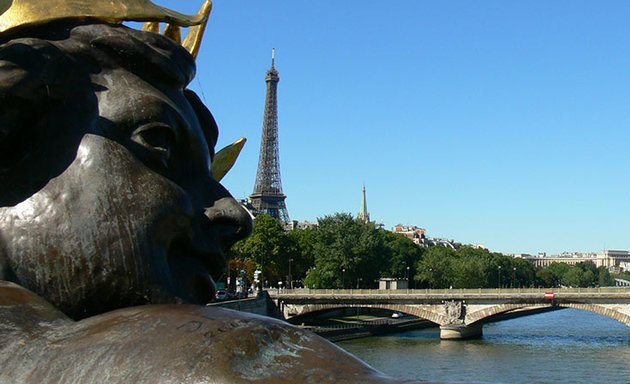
{"x":106,"y":194}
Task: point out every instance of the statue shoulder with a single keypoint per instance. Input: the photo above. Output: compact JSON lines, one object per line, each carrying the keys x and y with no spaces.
{"x":219,"y":344}
{"x":183,"y":344}
{"x":21,"y":309}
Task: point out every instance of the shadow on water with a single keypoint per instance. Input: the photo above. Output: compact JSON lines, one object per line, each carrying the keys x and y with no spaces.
{"x":567,"y":346}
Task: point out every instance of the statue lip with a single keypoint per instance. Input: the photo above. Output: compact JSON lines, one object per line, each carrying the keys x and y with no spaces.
{"x":194,"y":270}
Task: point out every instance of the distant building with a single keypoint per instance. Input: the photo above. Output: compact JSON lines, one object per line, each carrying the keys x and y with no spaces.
{"x":419,"y":236}
{"x":611,"y":259}
{"x":388,"y":283}
{"x":436,"y":242}
{"x":411,"y":232}
{"x":294,"y":224}
{"x":545,"y":261}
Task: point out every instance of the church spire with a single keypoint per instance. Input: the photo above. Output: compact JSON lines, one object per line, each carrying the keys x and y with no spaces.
{"x":364,"y":215}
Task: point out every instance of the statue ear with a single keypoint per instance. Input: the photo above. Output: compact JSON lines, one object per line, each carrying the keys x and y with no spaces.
{"x":205,"y":118}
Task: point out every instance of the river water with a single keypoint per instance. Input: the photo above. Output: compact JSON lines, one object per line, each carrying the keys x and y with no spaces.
{"x":565,"y":346}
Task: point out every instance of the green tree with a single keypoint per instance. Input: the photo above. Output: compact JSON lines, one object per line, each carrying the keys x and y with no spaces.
{"x":302,"y":252}
{"x":525,"y":273}
{"x":546,"y":278}
{"x":557,"y":271}
{"x":575,"y":276}
{"x":604,"y":279}
{"x":318,"y":278}
{"x":470,"y":267}
{"x":269,"y":247}
{"x":402,"y":255}
{"x":579,"y":275}
{"x":348,"y":252}
{"x":469,"y":272}
{"x":478,"y":267}
{"x":435,"y":270}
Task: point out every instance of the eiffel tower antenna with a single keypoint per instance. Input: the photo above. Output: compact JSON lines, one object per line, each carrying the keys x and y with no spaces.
{"x":267,"y":196}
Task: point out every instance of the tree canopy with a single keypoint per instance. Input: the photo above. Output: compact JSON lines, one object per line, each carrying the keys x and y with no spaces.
{"x":349,"y":253}
{"x":344,"y":252}
{"x":268,"y":248}
{"x":469,"y":267}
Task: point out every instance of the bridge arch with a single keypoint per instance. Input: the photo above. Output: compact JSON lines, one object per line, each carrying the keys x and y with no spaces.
{"x":418,"y":311}
{"x":602,"y":310}
{"x":491,"y":311}
{"x":605,"y":310}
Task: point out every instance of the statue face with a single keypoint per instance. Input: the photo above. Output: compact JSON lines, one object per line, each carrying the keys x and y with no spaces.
{"x":129,"y":212}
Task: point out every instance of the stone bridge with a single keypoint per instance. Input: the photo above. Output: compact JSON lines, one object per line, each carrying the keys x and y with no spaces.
{"x":460,"y":313}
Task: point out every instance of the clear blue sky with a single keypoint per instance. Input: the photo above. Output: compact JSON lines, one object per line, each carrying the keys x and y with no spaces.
{"x":504,"y":123}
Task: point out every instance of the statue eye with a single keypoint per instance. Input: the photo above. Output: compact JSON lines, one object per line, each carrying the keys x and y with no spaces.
{"x":158,"y":138}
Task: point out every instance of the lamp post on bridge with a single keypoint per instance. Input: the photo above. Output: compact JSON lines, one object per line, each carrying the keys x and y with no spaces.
{"x":514,"y":278}
{"x":499,"y":275}
{"x":260,"y":275}
{"x":290,"y":277}
{"x":343,"y":278}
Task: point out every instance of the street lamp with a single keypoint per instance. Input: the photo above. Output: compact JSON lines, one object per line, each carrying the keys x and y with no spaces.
{"x":514,"y":277}
{"x":431,"y":278}
{"x":499,"y":274}
{"x":262,"y":281}
{"x":290,"y":277}
{"x":343,"y":278}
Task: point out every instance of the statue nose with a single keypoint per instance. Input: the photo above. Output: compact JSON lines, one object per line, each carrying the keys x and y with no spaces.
{"x":233,"y":221}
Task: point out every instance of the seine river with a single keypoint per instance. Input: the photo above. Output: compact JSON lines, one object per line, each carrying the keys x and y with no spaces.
{"x":565,"y":346}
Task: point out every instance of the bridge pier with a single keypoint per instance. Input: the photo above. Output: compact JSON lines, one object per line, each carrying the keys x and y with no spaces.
{"x":461,"y":331}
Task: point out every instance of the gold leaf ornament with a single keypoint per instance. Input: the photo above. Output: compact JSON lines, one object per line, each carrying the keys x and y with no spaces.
{"x":16,"y":14}
{"x":225,"y":159}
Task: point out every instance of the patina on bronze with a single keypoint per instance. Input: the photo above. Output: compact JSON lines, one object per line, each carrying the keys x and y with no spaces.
{"x":108,"y":197}
{"x":112,"y":227}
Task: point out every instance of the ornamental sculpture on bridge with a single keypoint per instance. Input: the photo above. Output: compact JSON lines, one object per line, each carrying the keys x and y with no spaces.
{"x":113,"y":225}
{"x":455,"y":312}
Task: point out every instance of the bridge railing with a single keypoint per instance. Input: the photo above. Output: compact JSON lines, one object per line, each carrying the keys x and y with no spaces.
{"x":314,"y":292}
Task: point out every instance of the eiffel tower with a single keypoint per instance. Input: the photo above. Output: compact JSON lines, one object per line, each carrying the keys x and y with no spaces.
{"x":268,"y":197}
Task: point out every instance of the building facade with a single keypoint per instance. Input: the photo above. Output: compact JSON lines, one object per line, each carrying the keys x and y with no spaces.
{"x":614,"y":260}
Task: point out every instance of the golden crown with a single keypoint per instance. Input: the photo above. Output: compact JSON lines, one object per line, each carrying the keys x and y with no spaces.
{"x":22,"y":13}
